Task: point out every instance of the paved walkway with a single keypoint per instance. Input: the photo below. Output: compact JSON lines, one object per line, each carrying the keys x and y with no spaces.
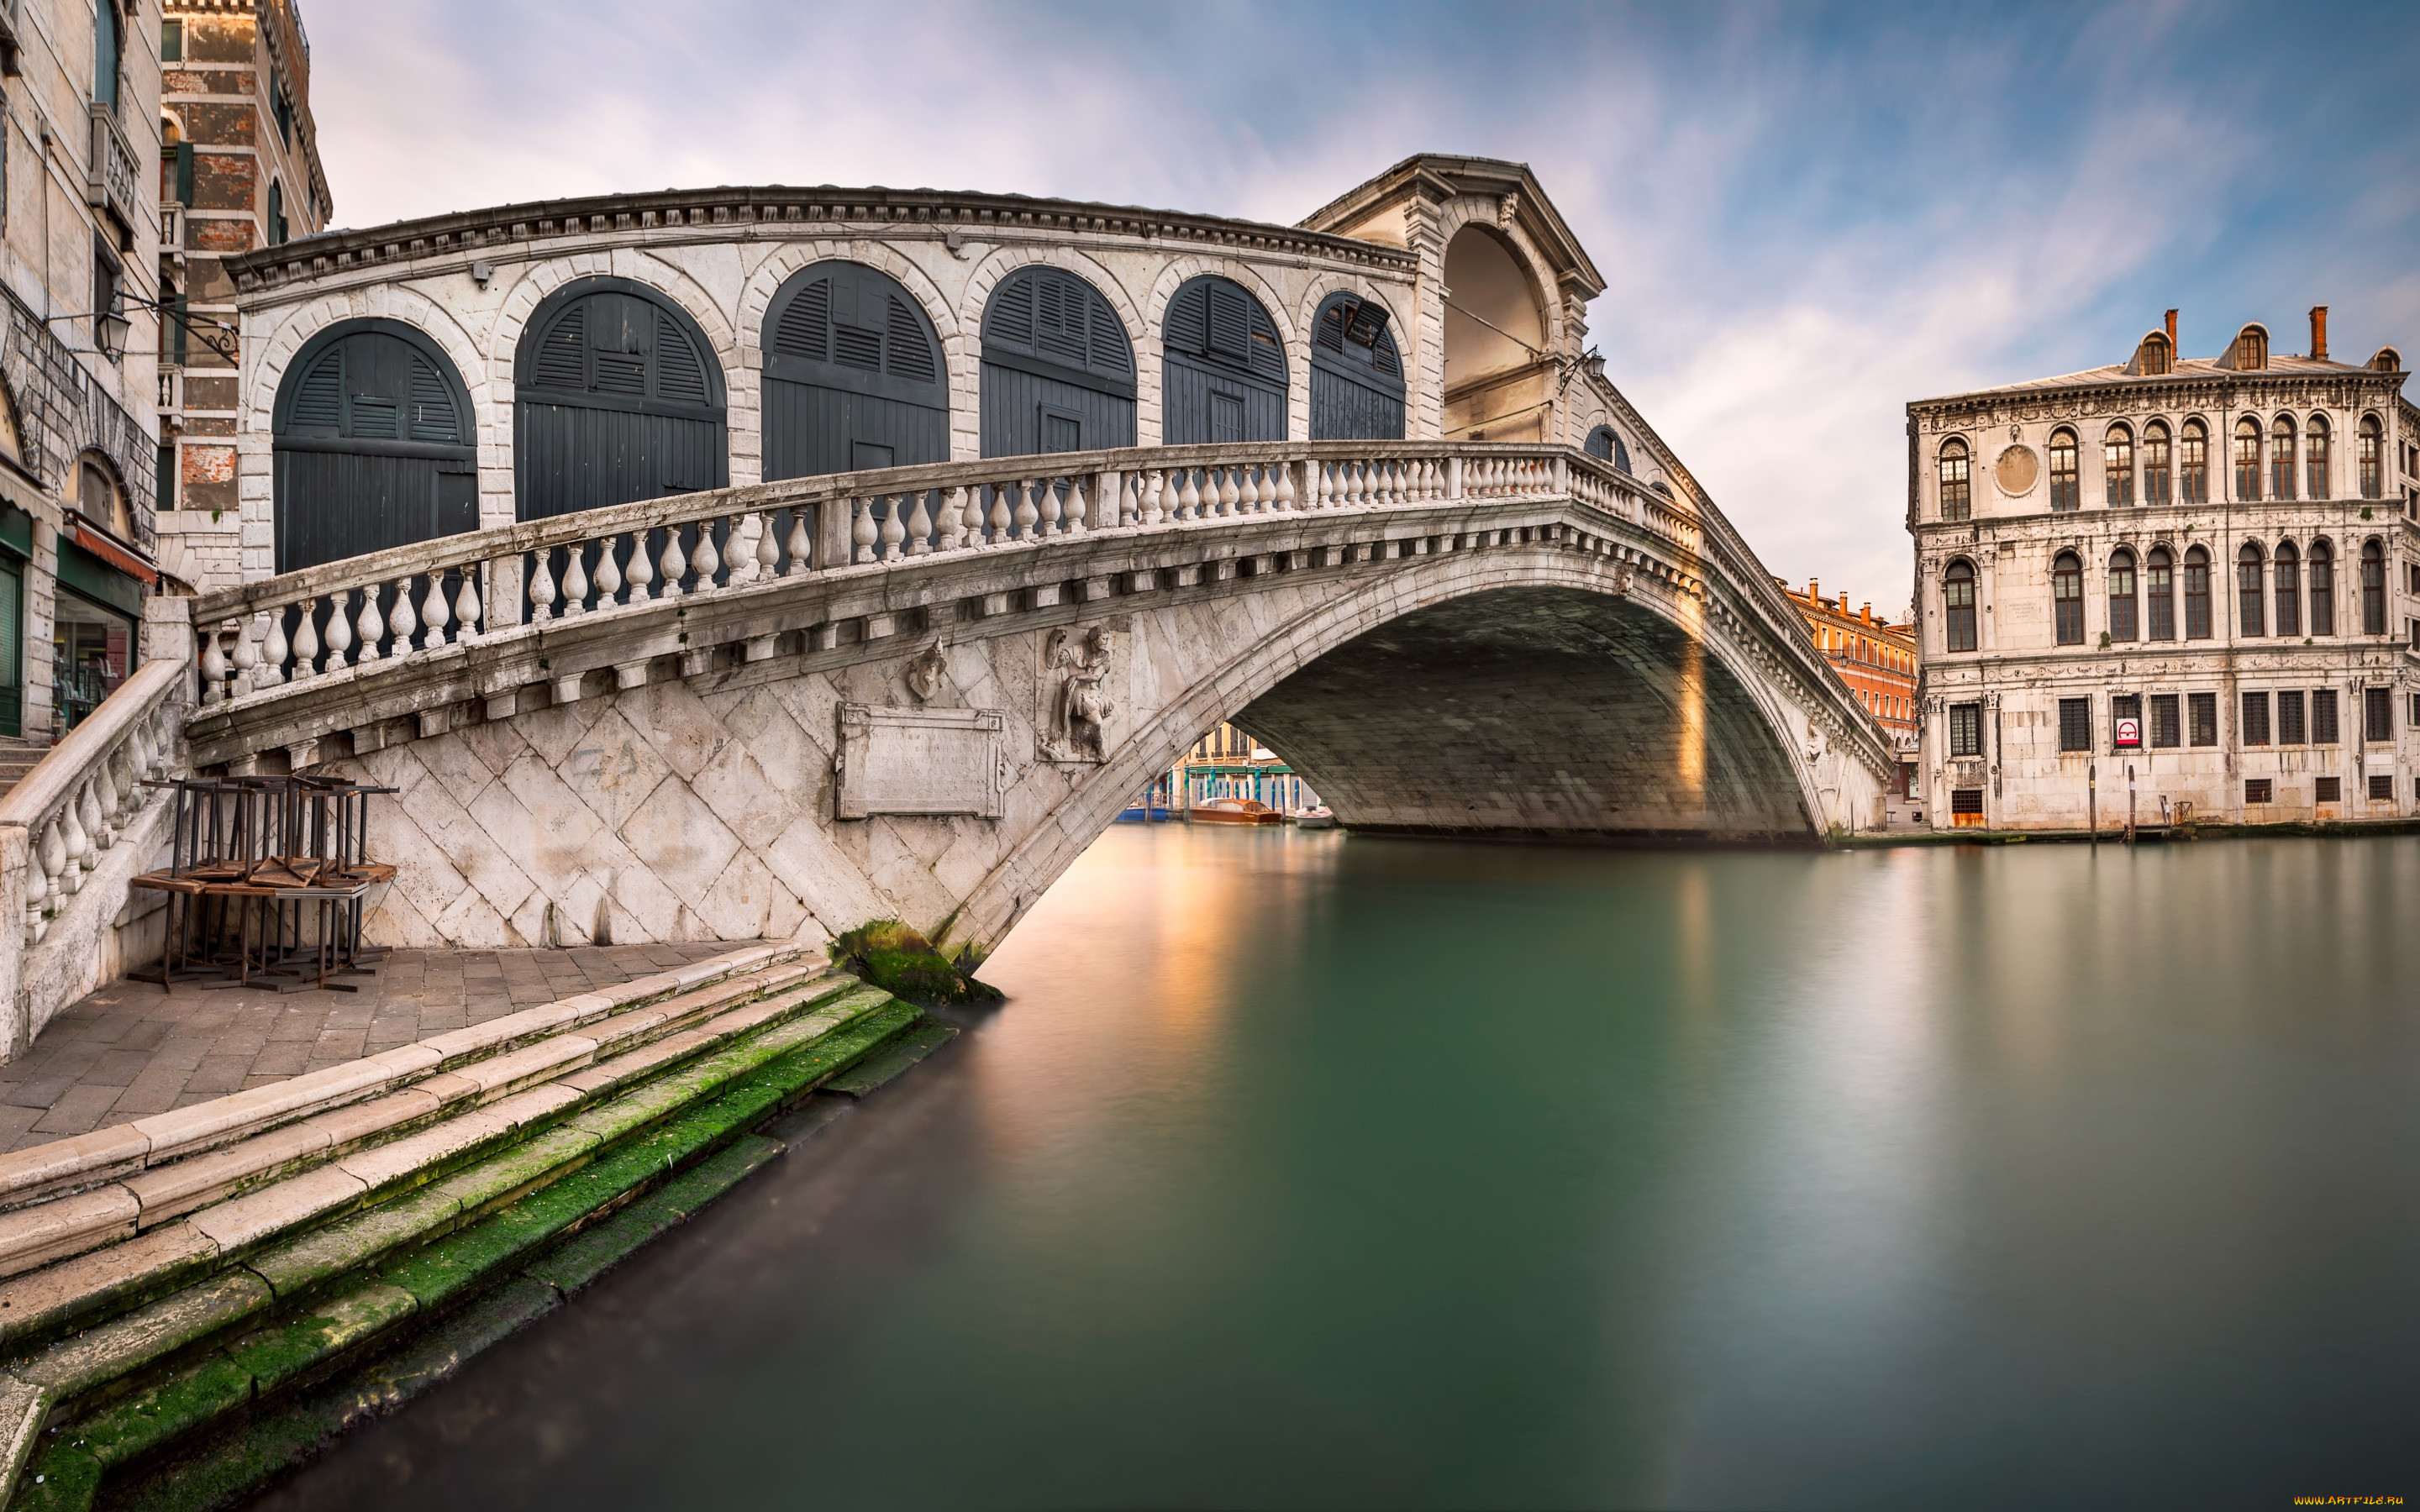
{"x":130,"y":1049}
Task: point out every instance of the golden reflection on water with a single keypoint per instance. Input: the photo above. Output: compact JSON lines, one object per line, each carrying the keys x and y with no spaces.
{"x":1689,"y":759}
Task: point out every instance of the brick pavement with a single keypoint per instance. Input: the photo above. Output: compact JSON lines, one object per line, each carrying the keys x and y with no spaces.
{"x":130,"y":1050}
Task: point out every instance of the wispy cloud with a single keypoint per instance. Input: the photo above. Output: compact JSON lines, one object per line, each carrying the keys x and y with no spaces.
{"x":1807,"y":215}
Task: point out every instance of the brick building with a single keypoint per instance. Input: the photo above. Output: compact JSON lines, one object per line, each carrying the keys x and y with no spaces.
{"x":1875,"y":658}
{"x":239,"y":170}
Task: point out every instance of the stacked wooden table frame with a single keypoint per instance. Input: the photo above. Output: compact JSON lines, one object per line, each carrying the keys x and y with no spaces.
{"x":265,"y":883}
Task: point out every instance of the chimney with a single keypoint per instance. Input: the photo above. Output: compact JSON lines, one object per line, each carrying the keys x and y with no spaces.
{"x":1844,"y":603}
{"x":1865,"y":612}
{"x":2319,"y":333}
{"x":2172,"y":331}
{"x":1814,"y":591}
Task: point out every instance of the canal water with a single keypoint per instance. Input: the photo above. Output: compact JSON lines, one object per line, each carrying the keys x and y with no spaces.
{"x":1313,"y":1170}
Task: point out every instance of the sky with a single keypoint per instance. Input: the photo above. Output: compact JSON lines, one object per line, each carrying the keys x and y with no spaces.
{"x":1807,"y":215}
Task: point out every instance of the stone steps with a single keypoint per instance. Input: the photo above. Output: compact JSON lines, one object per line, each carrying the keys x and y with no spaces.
{"x":232,"y":1298}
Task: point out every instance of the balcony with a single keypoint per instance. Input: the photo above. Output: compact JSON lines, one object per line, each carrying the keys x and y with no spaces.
{"x":109,"y":177}
{"x":172,"y":233}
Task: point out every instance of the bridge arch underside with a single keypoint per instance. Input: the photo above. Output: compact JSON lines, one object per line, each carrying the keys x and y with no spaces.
{"x":1536,"y":711}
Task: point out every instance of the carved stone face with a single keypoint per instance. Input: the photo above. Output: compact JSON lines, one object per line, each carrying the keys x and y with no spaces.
{"x":2017,"y":469}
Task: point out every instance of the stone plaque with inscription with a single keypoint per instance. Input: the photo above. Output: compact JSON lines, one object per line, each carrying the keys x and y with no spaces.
{"x":921,"y":762}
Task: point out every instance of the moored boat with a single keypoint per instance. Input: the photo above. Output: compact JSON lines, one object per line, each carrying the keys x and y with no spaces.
{"x":1233,"y":812}
{"x":1320,"y":817}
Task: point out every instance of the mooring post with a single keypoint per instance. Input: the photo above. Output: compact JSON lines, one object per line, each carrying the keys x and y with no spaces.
{"x":2130,"y":802}
{"x":2092,"y":801}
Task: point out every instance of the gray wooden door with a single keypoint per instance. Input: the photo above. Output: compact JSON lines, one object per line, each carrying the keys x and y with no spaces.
{"x":854,"y":376}
{"x":373,"y":444}
{"x":1224,"y":370}
{"x":617,"y":397}
{"x":1356,"y":375}
{"x":1057,"y":371}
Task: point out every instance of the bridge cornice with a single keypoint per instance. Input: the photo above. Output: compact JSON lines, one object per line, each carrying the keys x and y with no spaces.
{"x":778,"y":211}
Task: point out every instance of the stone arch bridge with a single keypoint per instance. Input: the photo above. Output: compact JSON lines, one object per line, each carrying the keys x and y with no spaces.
{"x":790,"y":707}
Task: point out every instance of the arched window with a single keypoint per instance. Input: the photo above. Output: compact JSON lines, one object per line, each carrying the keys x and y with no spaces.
{"x":2249,"y":620}
{"x":375,"y":445}
{"x":854,"y":376}
{"x":2118,"y":466}
{"x":2373,"y":588}
{"x":2121,"y":595}
{"x":2323,"y":588}
{"x":2315,"y":458}
{"x":2064,"y":493}
{"x":2251,"y":352}
{"x":1356,"y":375}
{"x":2289,"y":586}
{"x":1058,"y":372}
{"x":1224,"y":372}
{"x":2197,"y":617}
{"x":2067,"y":600}
{"x":2281,"y":459}
{"x":1957,"y":494}
{"x":616,"y":397}
{"x":2154,"y":357}
{"x":100,"y":499}
{"x":2193,"y":464}
{"x":2370,"y":480}
{"x":1606,"y":446}
{"x":2247,"y":460}
{"x":2155,"y":462}
{"x":1958,"y":605}
{"x":276,"y":218}
{"x":2158,"y":593}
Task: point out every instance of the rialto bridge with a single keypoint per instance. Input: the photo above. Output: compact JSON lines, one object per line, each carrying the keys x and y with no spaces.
{"x":747,"y":563}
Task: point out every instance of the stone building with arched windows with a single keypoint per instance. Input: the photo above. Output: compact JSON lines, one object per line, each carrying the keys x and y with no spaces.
{"x":2205,"y":573}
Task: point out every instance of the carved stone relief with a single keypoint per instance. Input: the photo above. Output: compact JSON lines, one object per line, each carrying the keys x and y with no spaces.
{"x":926,"y":673}
{"x":1077,"y":701}
{"x":2016,"y":470}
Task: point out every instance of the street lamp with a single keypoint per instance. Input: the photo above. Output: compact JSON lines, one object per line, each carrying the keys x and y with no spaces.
{"x":109,"y":330}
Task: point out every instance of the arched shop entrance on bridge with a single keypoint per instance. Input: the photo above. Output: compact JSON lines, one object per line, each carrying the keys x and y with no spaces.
{"x":854,"y":376}
{"x":1223,"y":368}
{"x":1057,"y":371}
{"x":1357,"y":374}
{"x":617,"y":398}
{"x":1498,"y":380}
{"x":374,"y":445}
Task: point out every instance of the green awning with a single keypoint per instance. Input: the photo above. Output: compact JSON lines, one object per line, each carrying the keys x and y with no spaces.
{"x":89,"y":575}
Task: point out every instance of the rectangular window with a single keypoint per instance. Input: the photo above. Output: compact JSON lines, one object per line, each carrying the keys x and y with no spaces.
{"x":2125,"y":721}
{"x":2075,"y":724}
{"x":2415,"y":707}
{"x":2290,"y":719}
{"x":2378,"y":714}
{"x":2258,"y":790}
{"x":2249,"y":618}
{"x":2323,"y":717}
{"x":172,"y":41}
{"x":2202,"y":712}
{"x":2167,"y":727}
{"x":2256,"y":720}
{"x":1965,"y":729}
{"x":2328,"y":790}
{"x":2382,"y":788}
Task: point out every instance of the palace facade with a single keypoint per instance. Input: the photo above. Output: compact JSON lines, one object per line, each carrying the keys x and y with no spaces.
{"x":1875,"y":658}
{"x":2203,"y":573}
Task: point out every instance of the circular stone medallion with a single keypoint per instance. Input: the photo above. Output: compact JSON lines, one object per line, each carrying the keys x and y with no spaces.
{"x":2016,"y":470}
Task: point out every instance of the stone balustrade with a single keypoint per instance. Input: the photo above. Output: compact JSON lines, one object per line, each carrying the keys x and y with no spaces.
{"x":410,"y":600}
{"x":77,"y":801}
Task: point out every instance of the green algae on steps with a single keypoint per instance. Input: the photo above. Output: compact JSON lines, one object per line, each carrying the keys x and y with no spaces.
{"x":893,"y":1058}
{"x":67,"y":1472}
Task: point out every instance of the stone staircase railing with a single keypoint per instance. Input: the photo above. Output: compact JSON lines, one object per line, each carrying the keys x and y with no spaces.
{"x":415,"y":599}
{"x":70,"y":834}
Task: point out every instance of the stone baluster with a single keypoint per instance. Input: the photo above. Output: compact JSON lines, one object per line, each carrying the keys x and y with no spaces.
{"x":466,"y":603}
{"x":768,"y":549}
{"x":1077,"y":507}
{"x":861,"y":532}
{"x":706,"y":560}
{"x":894,"y":528}
{"x":1228,"y":492}
{"x":273,"y":649}
{"x":37,"y":886}
{"x":672,"y":563}
{"x":339,"y":634}
{"x":1261,"y":488}
{"x":435,"y":613}
{"x":48,"y":861}
{"x":247,"y":656}
{"x":306,"y":640}
{"x":1120,"y":486}
{"x":609,"y":571}
{"x":1287,"y":498}
{"x":401,"y":621}
{"x":920,"y":524}
{"x":951,"y":525}
{"x":800,"y":545}
{"x":214,"y":668}
{"x":541,"y":587}
{"x":1052,"y":514}
{"x":1028,"y":514}
{"x":95,"y":835}
{"x":77,"y":840}
{"x":1159,"y":498}
{"x":1188,"y":500}
{"x":575,"y":578}
{"x":370,"y":624}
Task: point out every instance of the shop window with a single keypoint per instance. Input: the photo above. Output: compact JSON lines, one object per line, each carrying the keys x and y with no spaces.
{"x":92,"y":646}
